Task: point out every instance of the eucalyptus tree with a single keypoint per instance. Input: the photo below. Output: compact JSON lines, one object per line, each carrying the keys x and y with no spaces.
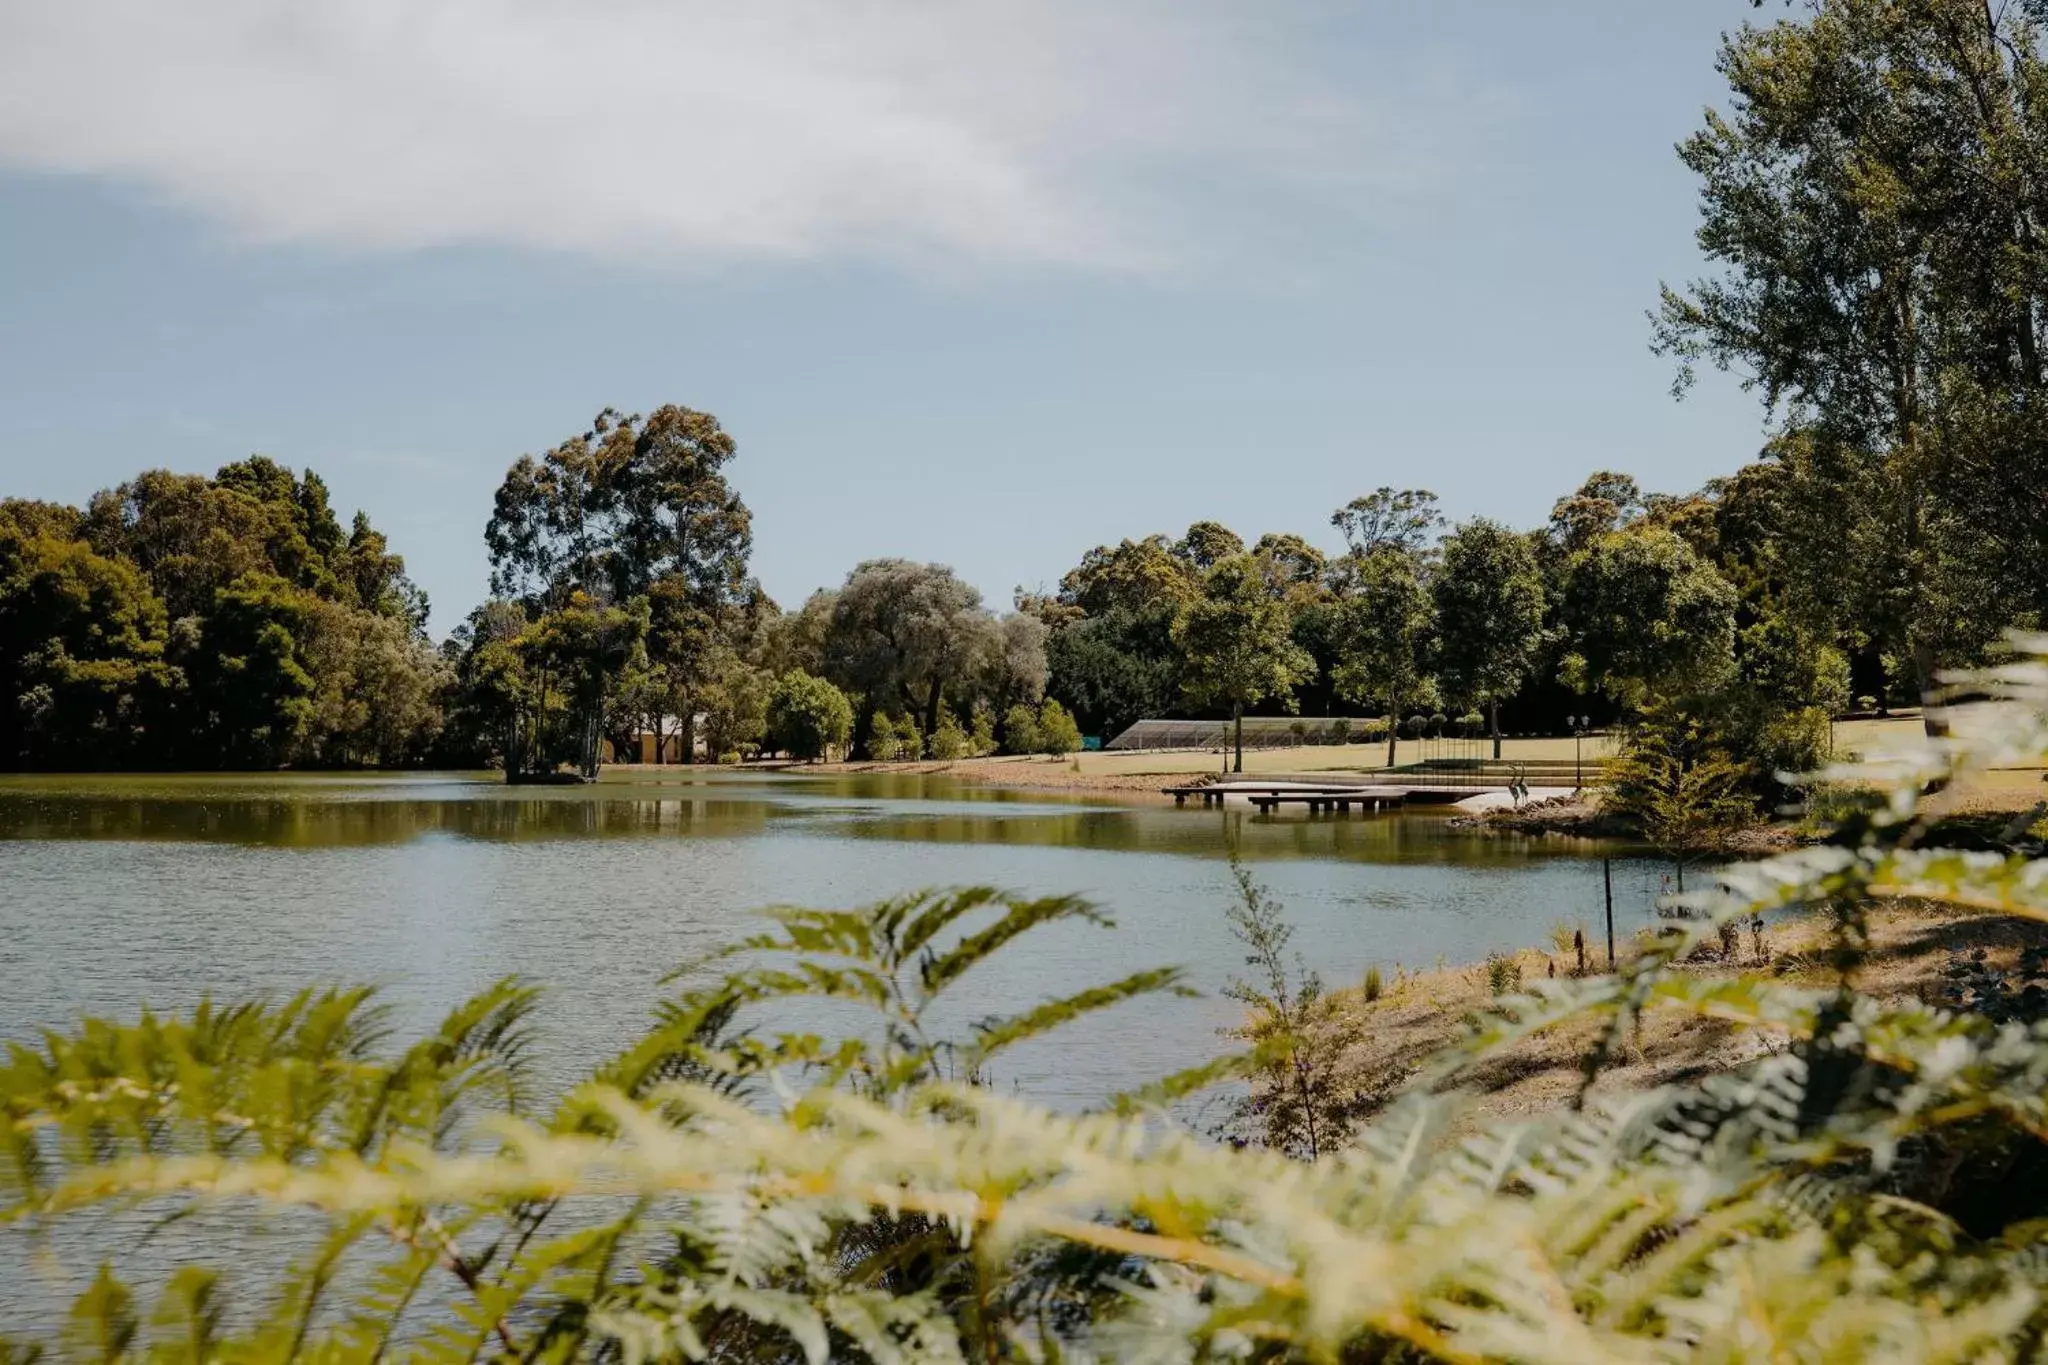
{"x":1207,"y":544}
{"x":1403,"y":520}
{"x":1489,"y":603}
{"x":1110,"y":656}
{"x":1132,"y":575}
{"x":1384,"y":627}
{"x":83,"y":674}
{"x":1237,"y":645}
{"x":637,"y":509}
{"x":1645,"y":616}
{"x":1293,"y":568}
{"x":1875,"y":199}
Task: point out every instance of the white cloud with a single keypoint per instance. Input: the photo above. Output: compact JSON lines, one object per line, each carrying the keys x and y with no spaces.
{"x":1068,"y":131}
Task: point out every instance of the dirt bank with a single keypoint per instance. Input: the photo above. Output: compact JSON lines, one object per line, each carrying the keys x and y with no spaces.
{"x":1911,"y":947}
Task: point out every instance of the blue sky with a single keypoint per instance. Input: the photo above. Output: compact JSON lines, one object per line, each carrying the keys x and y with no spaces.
{"x":985,"y":284}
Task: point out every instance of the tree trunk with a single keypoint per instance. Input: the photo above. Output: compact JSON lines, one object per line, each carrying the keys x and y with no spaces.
{"x":1393,"y":730}
{"x":1927,"y":679}
{"x":931,"y":710}
{"x":1493,"y":723}
{"x":686,"y":728}
{"x":1237,"y":721}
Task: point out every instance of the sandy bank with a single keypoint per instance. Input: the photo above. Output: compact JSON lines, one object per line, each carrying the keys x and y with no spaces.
{"x":1420,"y":1013}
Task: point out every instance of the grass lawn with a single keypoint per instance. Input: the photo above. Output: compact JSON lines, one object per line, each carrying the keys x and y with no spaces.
{"x":1325,"y":757}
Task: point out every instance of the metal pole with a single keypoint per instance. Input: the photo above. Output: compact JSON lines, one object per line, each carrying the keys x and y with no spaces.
{"x":1607,"y":879}
{"x":1578,"y":758}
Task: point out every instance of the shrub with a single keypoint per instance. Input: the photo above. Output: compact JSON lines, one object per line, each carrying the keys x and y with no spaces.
{"x":1020,"y":730}
{"x":909,"y":739}
{"x":1676,"y":785}
{"x":1471,"y":723}
{"x":1412,"y":727}
{"x":884,"y":744}
{"x":808,"y":717}
{"x":1503,"y":974}
{"x":731,"y":758}
{"x":1339,"y":731}
{"x":1058,"y":735}
{"x":981,"y":740}
{"x":949,"y":741}
{"x":1299,"y":1100}
{"x":1372,"y":987}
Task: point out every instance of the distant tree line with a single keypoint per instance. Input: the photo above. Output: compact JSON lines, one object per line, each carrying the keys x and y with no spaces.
{"x":185,"y":622}
{"x":1621,"y":601}
{"x":230,"y":622}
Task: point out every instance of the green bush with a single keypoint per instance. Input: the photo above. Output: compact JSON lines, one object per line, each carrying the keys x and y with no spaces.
{"x":1020,"y":730}
{"x":949,"y":742}
{"x":884,"y":744}
{"x":1340,"y":731}
{"x":1058,"y":735}
{"x":808,"y":717}
{"x":981,"y":740}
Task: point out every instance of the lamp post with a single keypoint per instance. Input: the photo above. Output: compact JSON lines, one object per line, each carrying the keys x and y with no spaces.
{"x":1578,"y":724}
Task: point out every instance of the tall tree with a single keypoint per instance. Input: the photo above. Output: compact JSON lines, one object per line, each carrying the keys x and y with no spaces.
{"x":909,"y":635}
{"x":635,"y":509}
{"x":1488,"y":594}
{"x":1387,"y":519}
{"x":1237,"y":645}
{"x":1645,"y":616}
{"x":1384,"y":628}
{"x":84,"y":682}
{"x":1207,"y":544}
{"x":620,"y":507}
{"x":1875,"y":196}
{"x":1133,"y":575}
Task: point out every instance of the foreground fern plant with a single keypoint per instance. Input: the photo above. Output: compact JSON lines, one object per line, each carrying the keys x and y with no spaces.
{"x":1871,"y":1190}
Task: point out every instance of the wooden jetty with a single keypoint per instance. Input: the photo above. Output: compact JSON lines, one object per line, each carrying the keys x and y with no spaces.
{"x":1269,"y":796}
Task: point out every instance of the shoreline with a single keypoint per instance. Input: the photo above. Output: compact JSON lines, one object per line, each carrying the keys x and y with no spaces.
{"x":1007,"y":773}
{"x":1418,"y":1013}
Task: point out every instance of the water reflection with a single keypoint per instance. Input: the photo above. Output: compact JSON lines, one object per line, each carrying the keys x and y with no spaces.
{"x":318,"y":811}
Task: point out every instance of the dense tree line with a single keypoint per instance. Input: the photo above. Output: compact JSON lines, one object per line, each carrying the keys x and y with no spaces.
{"x":182,"y":621}
{"x":1620,"y":601}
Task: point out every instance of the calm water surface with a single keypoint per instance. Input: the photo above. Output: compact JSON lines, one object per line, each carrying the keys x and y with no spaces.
{"x":116,"y":891}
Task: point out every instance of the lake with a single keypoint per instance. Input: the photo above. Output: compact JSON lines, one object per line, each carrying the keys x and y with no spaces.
{"x":116,"y":891}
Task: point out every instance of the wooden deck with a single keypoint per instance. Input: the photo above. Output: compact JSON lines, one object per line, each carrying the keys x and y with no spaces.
{"x":1318,"y":797}
{"x":1337,"y":802}
{"x":1383,"y":789}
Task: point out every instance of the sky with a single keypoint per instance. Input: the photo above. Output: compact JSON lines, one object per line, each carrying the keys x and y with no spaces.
{"x":983,"y":284}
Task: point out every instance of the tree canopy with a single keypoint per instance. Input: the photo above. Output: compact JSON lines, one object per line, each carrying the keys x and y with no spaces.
{"x":181,"y":621}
